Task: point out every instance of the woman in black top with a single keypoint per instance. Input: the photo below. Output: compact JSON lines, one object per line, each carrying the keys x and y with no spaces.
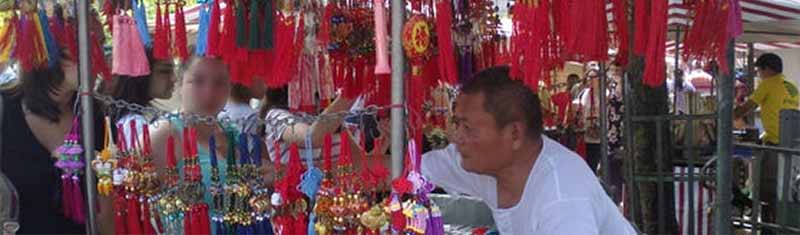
{"x":37,"y":113}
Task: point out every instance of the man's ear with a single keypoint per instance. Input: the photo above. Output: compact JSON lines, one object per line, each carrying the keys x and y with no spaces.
{"x":517,"y":134}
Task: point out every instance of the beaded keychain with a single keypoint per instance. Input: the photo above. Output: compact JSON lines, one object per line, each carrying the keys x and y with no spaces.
{"x":70,"y":161}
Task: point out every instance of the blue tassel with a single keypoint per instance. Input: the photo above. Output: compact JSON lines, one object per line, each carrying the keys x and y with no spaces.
{"x":53,"y":53}
{"x":141,"y":23}
{"x":256,"y":156}
{"x":311,"y":219}
{"x":220,"y":227}
{"x":202,"y":30}
{"x":268,"y":227}
{"x":244,"y":155}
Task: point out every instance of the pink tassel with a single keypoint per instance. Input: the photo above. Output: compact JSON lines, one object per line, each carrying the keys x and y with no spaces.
{"x":78,"y":215}
{"x":128,"y":50}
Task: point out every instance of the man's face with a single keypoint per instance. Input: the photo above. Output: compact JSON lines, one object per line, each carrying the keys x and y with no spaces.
{"x":484,"y":147}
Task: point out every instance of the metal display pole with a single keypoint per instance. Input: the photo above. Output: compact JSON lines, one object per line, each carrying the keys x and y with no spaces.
{"x":605,"y":164}
{"x":398,"y":111}
{"x":87,"y":114}
{"x":722,"y":207}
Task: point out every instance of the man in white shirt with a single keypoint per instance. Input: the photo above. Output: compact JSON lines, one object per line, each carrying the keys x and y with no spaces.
{"x":532,"y":184}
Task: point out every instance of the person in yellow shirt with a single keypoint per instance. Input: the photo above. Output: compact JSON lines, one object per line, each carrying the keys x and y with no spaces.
{"x":773,"y":94}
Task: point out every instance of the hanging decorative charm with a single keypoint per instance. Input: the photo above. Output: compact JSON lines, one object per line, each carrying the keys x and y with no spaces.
{"x":128,"y":50}
{"x":70,"y":161}
{"x":106,"y":161}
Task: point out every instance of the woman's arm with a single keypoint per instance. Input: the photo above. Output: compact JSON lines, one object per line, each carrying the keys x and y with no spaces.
{"x":298,"y":132}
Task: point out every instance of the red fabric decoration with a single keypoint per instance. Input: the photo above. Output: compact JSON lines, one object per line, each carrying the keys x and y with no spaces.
{"x":655,"y":69}
{"x":447,"y":59}
{"x":180,"y":33}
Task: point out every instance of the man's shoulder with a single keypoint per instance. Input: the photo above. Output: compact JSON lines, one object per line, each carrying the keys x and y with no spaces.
{"x":565,"y":173}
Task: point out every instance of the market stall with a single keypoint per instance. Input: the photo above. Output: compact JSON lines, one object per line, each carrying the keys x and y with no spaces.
{"x":322,"y":49}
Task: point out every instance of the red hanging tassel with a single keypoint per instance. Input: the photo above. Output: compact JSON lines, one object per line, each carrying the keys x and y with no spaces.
{"x":212,"y":49}
{"x":97,"y":57}
{"x":159,"y":40}
{"x":25,"y":30}
{"x":301,"y":224}
{"x":180,"y":33}
{"x":188,"y":228}
{"x":641,"y":13}
{"x":120,"y":227}
{"x":167,"y":30}
{"x":108,"y":12}
{"x":198,"y":220}
{"x":227,"y":43}
{"x":447,"y":59}
{"x":148,"y":229}
{"x":621,"y":34}
{"x":132,"y":222}
{"x":78,"y":215}
{"x":655,"y":69}
{"x":326,"y":152}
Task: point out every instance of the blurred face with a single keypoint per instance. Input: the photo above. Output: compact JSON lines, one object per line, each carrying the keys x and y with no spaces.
{"x":205,"y":87}
{"x":162,"y":81}
{"x":764,"y":72}
{"x":70,"y":69}
{"x":485,"y":147}
{"x":257,"y":89}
